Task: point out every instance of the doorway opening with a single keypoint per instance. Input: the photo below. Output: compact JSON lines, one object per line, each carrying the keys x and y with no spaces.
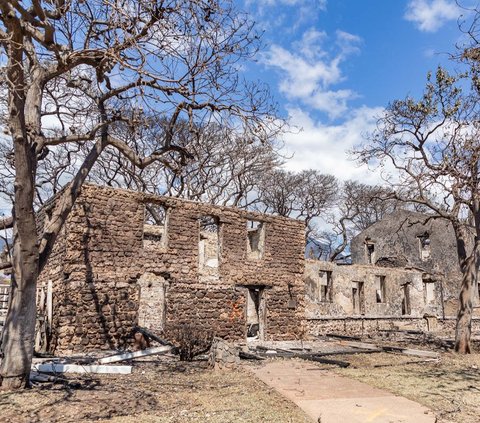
{"x":152,"y":301}
{"x":256,"y":313}
{"x":406,"y":309}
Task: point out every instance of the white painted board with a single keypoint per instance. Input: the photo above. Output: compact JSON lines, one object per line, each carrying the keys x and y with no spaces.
{"x":79,"y":368}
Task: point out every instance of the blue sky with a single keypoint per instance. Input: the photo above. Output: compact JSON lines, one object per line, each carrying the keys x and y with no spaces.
{"x":332,"y":66}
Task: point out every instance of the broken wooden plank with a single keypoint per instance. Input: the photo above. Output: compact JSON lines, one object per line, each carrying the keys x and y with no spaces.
{"x":274,"y":350}
{"x":77,"y":368}
{"x":360,"y":345}
{"x":318,"y":359}
{"x":351,"y":351}
{"x":136,"y":354}
{"x":428,"y":360}
{"x":392,"y":349}
{"x":249,"y":356}
{"x":322,"y":360}
{"x":261,"y":347}
{"x":409,"y":351}
{"x":306,"y":356}
{"x":403,"y":331}
{"x":40,"y":377}
{"x":339,"y":336}
{"x":152,"y":336}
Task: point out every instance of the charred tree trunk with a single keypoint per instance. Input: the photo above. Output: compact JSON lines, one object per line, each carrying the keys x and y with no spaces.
{"x":19,"y":329}
{"x":469,"y":267}
{"x":465,"y":308}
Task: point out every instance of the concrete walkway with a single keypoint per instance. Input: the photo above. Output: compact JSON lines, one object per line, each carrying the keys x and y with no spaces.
{"x":330,"y":398}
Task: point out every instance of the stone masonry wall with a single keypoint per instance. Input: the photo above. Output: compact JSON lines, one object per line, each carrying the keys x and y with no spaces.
{"x":338,"y":315}
{"x":109,"y":280}
{"x":341,"y":303}
{"x":396,"y":244}
{"x":362,"y":326}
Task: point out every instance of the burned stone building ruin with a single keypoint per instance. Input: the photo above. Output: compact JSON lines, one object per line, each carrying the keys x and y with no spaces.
{"x":416,"y":241}
{"x":407,"y":239}
{"x":127,"y":259}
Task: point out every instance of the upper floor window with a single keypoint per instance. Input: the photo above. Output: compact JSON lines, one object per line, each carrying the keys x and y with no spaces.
{"x":155,"y":226}
{"x":424,"y":246}
{"x":256,"y":239}
{"x":209,"y":242}
{"x":370,"y":251}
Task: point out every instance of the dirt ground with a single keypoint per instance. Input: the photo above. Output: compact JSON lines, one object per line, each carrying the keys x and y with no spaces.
{"x":174,"y":392}
{"x":449,"y":386}
{"x":155,"y":392}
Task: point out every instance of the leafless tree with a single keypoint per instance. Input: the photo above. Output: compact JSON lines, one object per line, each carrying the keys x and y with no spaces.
{"x":224,"y":166}
{"x":76,"y":69}
{"x":367,"y":204}
{"x":277,"y":192}
{"x":359,"y":206}
{"x":434,"y":143}
{"x":306,"y":195}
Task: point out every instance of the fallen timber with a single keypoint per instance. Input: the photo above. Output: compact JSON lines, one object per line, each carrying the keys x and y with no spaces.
{"x":389,"y":349}
{"x":136,"y":354}
{"x":279,"y":352}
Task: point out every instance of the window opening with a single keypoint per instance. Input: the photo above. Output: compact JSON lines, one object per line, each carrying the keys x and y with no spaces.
{"x":326,"y":286}
{"x":255,"y":313}
{"x":256,"y":239}
{"x":152,"y":306}
{"x":429,"y":291}
{"x":370,"y":251}
{"x":406,"y":310}
{"x":358,"y":298}
{"x":424,"y":246}
{"x":155,"y":226}
{"x":209,"y":242}
{"x":380,"y":291}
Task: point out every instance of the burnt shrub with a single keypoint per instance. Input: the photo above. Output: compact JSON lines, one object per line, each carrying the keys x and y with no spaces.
{"x":190,"y":340}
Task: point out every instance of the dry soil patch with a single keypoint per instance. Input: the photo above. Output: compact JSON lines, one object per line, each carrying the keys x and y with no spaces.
{"x":155,"y":392}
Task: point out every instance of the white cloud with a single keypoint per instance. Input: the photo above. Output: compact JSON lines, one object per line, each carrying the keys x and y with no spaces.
{"x":311,"y":44}
{"x":324,"y":147}
{"x":309,"y":71}
{"x":430,"y":15}
{"x":347,"y":42}
{"x":287,"y":16}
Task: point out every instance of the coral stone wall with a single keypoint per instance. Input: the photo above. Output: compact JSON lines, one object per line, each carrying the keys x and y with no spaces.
{"x":110,"y":282}
{"x":396,"y":243}
{"x":338,"y":315}
{"x":390,"y":305}
{"x":361,"y":326}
